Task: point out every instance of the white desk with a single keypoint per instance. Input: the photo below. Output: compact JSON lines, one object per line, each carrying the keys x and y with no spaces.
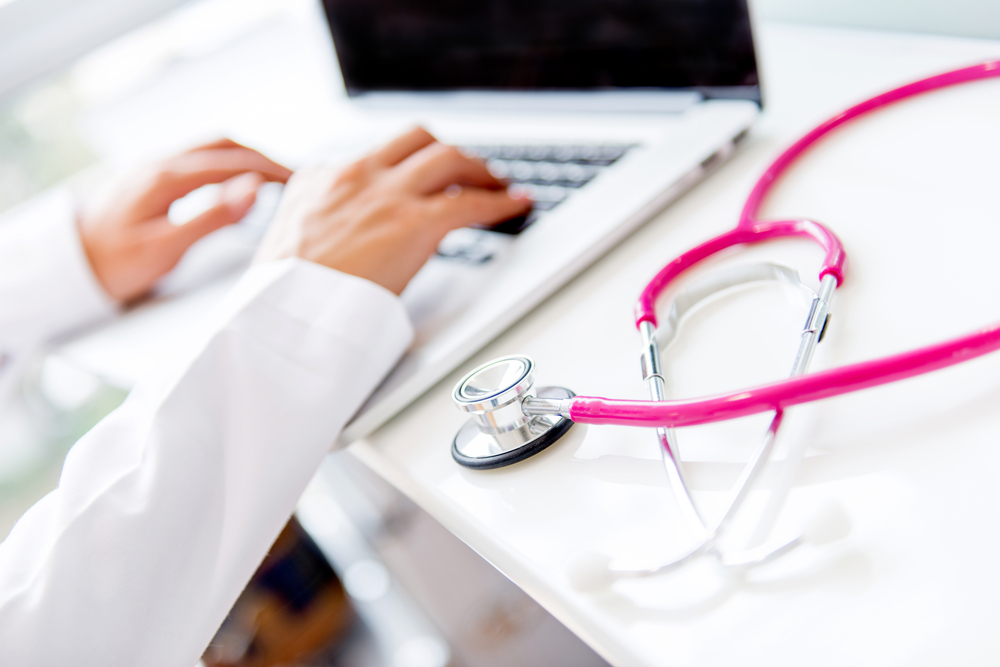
{"x":912,"y":193}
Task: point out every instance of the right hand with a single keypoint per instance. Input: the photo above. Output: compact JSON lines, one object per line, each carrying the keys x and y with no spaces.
{"x":382,"y":217}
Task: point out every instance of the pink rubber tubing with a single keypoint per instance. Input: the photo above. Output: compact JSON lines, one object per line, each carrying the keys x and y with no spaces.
{"x":784,"y":394}
{"x":814,"y":386}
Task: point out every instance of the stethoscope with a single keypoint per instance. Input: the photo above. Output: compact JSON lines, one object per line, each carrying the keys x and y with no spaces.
{"x":512,"y":420}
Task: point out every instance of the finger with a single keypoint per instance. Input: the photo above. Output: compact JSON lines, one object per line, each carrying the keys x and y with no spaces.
{"x":223,"y":142}
{"x":237,"y":196}
{"x":437,"y":166}
{"x":401,"y":147}
{"x":238,"y":159}
{"x":475,"y":206}
{"x":187,"y":172}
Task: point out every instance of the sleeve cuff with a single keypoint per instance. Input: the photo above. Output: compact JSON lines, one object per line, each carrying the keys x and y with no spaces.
{"x":275,"y":299}
{"x":46,"y":283}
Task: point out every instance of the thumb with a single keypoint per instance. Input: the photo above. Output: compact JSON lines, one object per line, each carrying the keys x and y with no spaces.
{"x":236,"y":196}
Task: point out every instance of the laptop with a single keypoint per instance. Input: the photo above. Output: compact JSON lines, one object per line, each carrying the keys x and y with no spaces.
{"x":603,"y":111}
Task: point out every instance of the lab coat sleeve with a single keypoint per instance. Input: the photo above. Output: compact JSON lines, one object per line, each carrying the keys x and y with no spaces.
{"x":46,"y":284}
{"x":165,"y":509}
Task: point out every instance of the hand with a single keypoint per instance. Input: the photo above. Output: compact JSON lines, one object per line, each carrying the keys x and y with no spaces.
{"x":382,"y":217}
{"x":129,"y":240}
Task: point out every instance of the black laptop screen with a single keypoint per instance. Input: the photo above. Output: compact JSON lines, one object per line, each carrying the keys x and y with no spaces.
{"x":426,"y":45}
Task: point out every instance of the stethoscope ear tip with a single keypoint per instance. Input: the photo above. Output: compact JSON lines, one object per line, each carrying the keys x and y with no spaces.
{"x":590,"y":572}
{"x":829,"y":523}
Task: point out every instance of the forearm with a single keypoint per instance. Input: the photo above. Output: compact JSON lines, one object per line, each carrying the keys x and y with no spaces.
{"x":166,"y":508}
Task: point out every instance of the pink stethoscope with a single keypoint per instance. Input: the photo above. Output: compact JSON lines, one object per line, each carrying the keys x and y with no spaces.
{"x":512,"y":420}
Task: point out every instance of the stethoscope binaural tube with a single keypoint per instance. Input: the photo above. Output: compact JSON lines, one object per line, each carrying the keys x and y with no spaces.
{"x":754,"y":232}
{"x":751,"y":230}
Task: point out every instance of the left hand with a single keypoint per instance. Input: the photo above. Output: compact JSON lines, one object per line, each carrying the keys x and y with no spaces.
{"x":129,"y":240}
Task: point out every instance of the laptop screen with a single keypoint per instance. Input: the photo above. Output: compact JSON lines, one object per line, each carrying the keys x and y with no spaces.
{"x":441,"y":45}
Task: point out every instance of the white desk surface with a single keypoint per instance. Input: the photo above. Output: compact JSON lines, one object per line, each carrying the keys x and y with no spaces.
{"x":912,"y":193}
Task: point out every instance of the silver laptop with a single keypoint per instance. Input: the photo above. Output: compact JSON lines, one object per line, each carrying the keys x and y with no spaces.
{"x":602,"y":110}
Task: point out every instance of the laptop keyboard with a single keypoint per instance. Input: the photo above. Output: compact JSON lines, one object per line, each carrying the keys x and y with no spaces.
{"x":549,"y":174}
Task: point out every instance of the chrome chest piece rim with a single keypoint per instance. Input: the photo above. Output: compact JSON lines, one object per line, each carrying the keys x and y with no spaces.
{"x":499,"y":433}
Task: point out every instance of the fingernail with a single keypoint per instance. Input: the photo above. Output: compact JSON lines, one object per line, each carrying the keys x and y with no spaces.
{"x":241,"y":191}
{"x":453,"y":191}
{"x":517,"y":193}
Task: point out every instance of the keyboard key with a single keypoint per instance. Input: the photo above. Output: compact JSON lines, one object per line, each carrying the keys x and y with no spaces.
{"x":547,"y":173}
{"x":521,"y":171}
{"x":481,"y":152}
{"x":538,"y":153}
{"x":510,"y":152}
{"x":468,"y":254}
{"x":465,"y":246}
{"x":611,"y":152}
{"x":564,"y":153}
{"x":499,"y":168}
{"x":540,"y":192}
{"x":577,"y":175}
{"x":513,"y":226}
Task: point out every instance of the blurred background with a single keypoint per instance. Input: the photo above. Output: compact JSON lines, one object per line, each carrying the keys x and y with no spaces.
{"x":362,"y":576}
{"x":61,"y":61}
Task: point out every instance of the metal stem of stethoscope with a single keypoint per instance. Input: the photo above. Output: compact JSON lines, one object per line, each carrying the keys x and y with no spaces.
{"x":594,"y":572}
{"x":812,"y":332}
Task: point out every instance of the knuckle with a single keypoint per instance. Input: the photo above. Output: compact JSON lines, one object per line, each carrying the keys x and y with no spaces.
{"x":355,"y":172}
{"x":452,"y":154}
{"x":438,"y":209}
{"x":417,"y":212}
{"x":413,"y":214}
{"x":391,"y":209}
{"x":421,"y":131}
{"x":433,"y":151}
{"x":418,"y":134}
{"x":161,"y":176}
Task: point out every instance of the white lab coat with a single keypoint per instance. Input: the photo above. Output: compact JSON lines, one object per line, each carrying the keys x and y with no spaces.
{"x":165,"y":509}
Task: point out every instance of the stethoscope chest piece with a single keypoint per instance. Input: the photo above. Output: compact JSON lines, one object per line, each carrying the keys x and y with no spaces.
{"x":500,"y":433}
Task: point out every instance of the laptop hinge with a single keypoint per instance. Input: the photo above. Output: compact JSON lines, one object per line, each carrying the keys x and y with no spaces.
{"x":611,"y":101}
